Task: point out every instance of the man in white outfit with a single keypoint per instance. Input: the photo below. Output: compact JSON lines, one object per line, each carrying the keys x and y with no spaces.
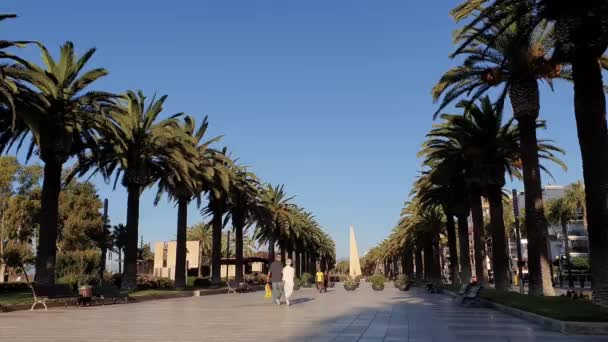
{"x":288,"y":276}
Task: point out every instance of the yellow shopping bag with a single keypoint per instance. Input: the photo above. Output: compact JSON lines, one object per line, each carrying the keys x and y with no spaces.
{"x":268,"y":293}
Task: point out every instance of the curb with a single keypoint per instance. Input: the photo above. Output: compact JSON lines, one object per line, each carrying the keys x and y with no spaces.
{"x":136,"y":299}
{"x":552,"y":324}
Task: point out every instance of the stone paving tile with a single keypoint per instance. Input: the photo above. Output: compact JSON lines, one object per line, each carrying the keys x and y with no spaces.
{"x":336,"y":316}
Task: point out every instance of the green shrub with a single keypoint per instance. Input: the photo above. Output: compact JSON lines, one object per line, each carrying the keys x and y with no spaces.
{"x":14,"y":287}
{"x":78,"y":262}
{"x":306,"y":279}
{"x":349,"y":281}
{"x":202,"y":282}
{"x":377,"y":280}
{"x":76,"y":280}
{"x":145,"y":282}
{"x":580,"y":262}
{"x":401,"y":280}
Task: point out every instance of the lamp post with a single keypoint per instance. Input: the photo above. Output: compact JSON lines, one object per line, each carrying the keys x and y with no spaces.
{"x":518,"y":242}
{"x":227,"y":253}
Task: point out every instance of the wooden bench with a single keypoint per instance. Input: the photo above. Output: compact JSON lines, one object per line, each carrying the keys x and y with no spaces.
{"x":433,"y":287}
{"x":234,"y":287}
{"x":463,"y":289}
{"x":112,"y":292}
{"x":42,"y":293}
{"x":471,"y":297}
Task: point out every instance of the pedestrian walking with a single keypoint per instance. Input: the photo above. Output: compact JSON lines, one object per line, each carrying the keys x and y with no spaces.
{"x":275,"y":278}
{"x":288,"y":277}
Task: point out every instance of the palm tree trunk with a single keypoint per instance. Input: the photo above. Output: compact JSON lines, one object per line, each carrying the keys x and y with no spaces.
{"x":180,"y":250}
{"x":539,"y":264}
{"x":271,"y":253}
{"x":567,"y":252}
{"x":409,"y":263}
{"x":590,"y":110}
{"x":465,"y":257}
{"x":500,"y":258}
{"x":428,"y":260}
{"x":49,"y":212}
{"x":525,"y":97}
{"x":239,"y":223}
{"x":479,"y":237}
{"x":216,"y":248}
{"x":297,"y":264}
{"x":419,"y":266}
{"x":119,"y":260}
{"x":451,"y":228}
{"x":129,"y":281}
{"x":283,"y":255}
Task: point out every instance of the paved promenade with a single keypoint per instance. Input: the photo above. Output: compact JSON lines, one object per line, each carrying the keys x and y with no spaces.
{"x":363,"y":315}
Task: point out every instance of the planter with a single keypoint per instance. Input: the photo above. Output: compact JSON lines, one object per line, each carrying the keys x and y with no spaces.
{"x":378,"y":287}
{"x":350,"y":287}
{"x":332,"y":284}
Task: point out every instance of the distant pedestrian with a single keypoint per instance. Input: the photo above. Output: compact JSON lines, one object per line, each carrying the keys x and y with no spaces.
{"x":319,"y":278}
{"x":326,"y":280}
{"x":275,"y":277}
{"x":288,"y":277}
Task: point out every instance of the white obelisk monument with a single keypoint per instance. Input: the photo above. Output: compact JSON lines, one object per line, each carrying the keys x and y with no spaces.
{"x":355,"y":267}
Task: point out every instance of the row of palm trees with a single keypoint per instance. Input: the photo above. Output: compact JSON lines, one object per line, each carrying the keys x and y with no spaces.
{"x":466,"y":158}
{"x":506,"y":47}
{"x":122,"y":137}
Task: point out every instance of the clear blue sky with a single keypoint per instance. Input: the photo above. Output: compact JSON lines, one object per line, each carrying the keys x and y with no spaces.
{"x":330,"y":98}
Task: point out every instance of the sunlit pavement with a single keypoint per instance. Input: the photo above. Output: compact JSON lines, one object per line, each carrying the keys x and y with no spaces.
{"x":362,"y":315}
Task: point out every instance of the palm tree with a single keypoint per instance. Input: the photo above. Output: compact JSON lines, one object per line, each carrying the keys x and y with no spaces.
{"x":513,"y":57}
{"x":276,"y":218}
{"x":202,"y":233}
{"x":217,"y":207}
{"x":244,"y":209}
{"x":184,"y":188}
{"x":581,"y":41}
{"x":141,"y":149}
{"x":561,"y":211}
{"x":8,"y":85}
{"x":432,"y":191}
{"x":119,"y":235}
{"x":490,"y":149}
{"x":60,"y":113}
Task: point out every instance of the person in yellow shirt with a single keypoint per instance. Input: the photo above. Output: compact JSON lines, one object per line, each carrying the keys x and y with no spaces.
{"x":319,"y":278}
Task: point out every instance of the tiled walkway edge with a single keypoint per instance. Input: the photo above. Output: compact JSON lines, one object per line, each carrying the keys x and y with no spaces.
{"x":565,"y":327}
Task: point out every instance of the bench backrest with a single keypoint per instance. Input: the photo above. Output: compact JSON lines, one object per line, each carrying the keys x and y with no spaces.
{"x":106,"y":291}
{"x":474,"y":291}
{"x":232,"y":284}
{"x":52,"y":290}
{"x":463,"y":289}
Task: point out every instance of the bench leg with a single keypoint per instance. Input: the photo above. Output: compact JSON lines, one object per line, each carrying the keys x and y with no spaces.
{"x":43,"y":302}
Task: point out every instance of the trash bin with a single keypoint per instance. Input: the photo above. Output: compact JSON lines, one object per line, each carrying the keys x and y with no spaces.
{"x":85,"y":293}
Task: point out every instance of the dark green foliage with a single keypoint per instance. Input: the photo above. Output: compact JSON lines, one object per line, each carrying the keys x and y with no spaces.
{"x":145,"y":282}
{"x":74,"y":266}
{"x":14,"y":287}
{"x":306,"y":280}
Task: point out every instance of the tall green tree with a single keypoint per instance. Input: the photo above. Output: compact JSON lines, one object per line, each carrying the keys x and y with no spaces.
{"x":201,"y":232}
{"x":581,"y":40}
{"x":512,"y":58}
{"x":276,"y":205}
{"x":561,"y":211}
{"x":60,"y":112}
{"x":119,"y":237}
{"x":244,"y":210}
{"x":138,"y":148}
{"x":183,"y":188}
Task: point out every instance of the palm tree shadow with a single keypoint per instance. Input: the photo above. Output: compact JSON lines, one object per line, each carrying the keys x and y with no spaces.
{"x":297,"y":301}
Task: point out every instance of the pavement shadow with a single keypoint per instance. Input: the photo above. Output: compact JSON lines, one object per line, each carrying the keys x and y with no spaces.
{"x":297,"y":301}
